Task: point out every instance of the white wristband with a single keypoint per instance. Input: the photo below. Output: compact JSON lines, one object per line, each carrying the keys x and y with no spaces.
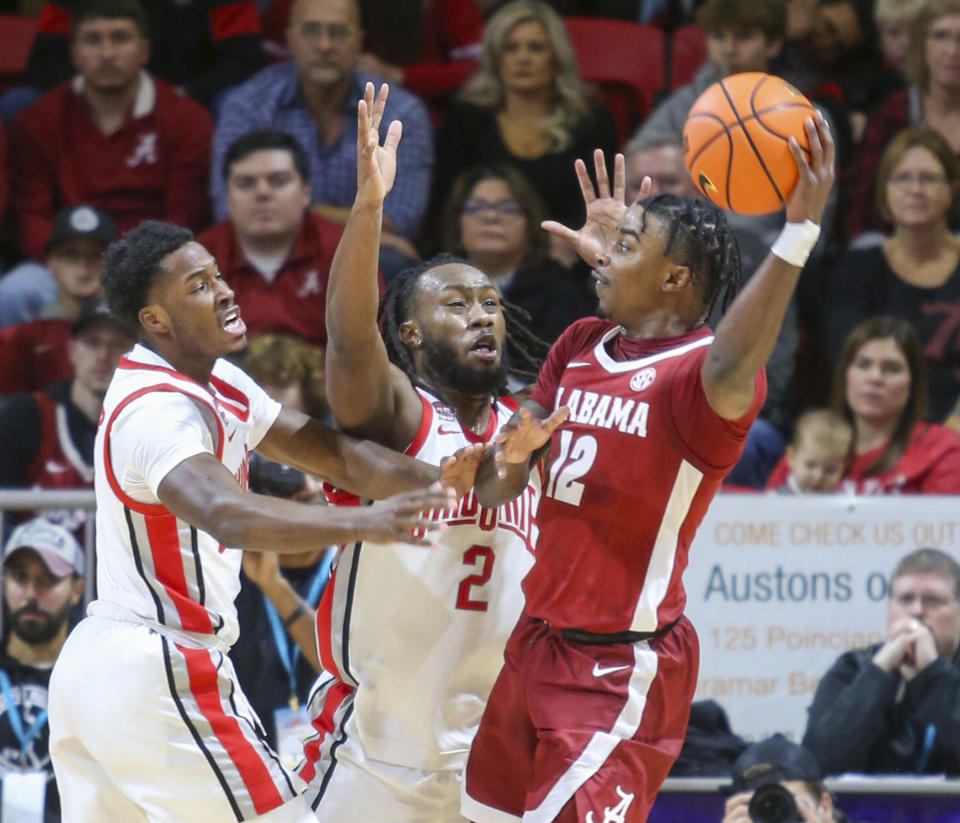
{"x":796,"y":241}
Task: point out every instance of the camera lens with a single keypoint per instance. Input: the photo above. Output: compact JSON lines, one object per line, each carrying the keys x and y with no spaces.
{"x":772,"y":803}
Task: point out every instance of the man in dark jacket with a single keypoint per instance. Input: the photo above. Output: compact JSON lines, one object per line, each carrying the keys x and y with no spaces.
{"x":895,"y":707}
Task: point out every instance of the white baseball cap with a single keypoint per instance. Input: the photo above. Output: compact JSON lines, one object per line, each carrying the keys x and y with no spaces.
{"x":58,"y":548}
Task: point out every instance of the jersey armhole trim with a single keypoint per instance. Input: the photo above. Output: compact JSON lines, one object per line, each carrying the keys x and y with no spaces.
{"x":426,"y":420}
{"x":129,"y":502}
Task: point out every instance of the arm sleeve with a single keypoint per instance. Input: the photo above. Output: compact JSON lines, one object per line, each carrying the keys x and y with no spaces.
{"x":407,"y":202}
{"x":20,"y":425}
{"x":186,"y":193}
{"x":848,"y":713}
{"x":459,"y":26}
{"x":237,"y":48}
{"x":49,"y":61}
{"x":944,"y":475}
{"x":33,"y":185}
{"x":709,"y":439}
{"x":152,"y":436}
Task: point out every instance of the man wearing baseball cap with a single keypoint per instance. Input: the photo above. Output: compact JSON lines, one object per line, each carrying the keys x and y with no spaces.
{"x":42,"y":580}
{"x":777,"y":781}
{"x":73,"y":257}
{"x":49,"y":434}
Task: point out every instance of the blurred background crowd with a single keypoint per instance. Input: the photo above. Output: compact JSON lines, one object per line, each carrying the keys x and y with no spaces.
{"x":236,"y":118}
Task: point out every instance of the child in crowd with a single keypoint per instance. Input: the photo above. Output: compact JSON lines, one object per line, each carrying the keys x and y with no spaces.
{"x":817,"y":455}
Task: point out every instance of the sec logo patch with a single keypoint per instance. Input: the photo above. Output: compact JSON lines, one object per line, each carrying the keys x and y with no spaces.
{"x":643,"y":378}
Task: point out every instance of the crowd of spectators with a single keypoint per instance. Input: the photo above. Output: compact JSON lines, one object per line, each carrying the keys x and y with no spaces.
{"x":237,"y":120}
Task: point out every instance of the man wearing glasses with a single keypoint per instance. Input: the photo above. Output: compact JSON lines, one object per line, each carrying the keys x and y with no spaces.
{"x":895,"y":706}
{"x":314,"y":99}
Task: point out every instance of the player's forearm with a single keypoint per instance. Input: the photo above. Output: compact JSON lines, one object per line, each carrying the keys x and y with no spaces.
{"x":375,"y":472}
{"x":747,"y":334}
{"x":353,"y":293}
{"x":491,"y":490}
{"x":261,"y":523}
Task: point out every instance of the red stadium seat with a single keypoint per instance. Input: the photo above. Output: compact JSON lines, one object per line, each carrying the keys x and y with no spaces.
{"x":688,"y":50}
{"x":625,"y":60}
{"x":16,"y":37}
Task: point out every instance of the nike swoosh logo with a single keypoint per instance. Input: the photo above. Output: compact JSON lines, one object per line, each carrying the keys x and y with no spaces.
{"x":230,"y":436}
{"x":599,"y":671}
{"x":442,"y":430}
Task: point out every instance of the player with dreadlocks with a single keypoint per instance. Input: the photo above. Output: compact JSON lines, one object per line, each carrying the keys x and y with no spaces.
{"x":590,"y":709}
{"x":411,"y":642}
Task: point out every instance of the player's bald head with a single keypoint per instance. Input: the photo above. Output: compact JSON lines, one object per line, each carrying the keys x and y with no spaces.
{"x":346,"y":10}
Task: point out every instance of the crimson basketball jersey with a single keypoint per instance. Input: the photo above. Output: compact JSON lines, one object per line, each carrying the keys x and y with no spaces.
{"x":419,"y":632}
{"x":630,"y":476}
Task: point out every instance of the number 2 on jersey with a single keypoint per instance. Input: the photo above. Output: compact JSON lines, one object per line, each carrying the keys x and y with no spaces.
{"x":573,"y":461}
{"x":480,"y":557}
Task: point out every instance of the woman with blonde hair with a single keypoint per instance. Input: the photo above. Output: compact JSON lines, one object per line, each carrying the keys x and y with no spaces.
{"x":525,"y":106}
{"x":915,"y":272}
{"x":931,"y":100}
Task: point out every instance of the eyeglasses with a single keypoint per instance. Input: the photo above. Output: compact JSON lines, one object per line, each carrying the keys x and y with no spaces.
{"x":335,"y":32}
{"x":508,"y":208}
{"x":941,"y":37}
{"x":924,"y":179}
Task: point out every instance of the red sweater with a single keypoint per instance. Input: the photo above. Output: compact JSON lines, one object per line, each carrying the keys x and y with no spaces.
{"x":156,"y":165}
{"x":34,"y":354}
{"x":295,"y":302}
{"x":930,"y":465}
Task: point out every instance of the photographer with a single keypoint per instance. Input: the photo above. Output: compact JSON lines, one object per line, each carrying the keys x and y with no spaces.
{"x":776,"y":781}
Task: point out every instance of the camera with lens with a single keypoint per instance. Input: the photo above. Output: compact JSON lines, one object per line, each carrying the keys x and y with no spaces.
{"x":773,"y":803}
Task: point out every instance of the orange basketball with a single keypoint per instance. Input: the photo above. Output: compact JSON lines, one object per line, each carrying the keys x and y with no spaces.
{"x":735,"y":141}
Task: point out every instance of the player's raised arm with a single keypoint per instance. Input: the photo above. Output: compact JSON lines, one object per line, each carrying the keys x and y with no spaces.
{"x":365,"y":392}
{"x":746,"y":335}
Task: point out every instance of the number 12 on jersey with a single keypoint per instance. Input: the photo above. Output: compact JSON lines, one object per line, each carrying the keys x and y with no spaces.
{"x":574,"y":459}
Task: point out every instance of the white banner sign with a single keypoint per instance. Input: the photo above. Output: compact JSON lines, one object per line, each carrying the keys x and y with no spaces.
{"x":778,"y":586}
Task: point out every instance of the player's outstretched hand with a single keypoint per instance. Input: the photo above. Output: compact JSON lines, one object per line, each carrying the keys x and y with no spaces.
{"x":459,"y":470}
{"x":809,"y":197}
{"x":605,"y":209}
{"x":405,"y":517}
{"x":376,"y":164}
{"x":523,"y":435}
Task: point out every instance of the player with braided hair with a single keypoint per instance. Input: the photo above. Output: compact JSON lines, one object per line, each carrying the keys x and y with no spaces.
{"x":591,"y":707}
{"x":524,"y":350}
{"x":411,"y":642}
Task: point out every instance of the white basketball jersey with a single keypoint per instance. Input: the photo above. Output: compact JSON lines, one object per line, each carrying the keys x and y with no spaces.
{"x":420,"y":632}
{"x":150,"y":564}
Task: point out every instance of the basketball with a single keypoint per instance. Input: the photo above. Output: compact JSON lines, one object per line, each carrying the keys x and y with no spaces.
{"x":735,"y":141}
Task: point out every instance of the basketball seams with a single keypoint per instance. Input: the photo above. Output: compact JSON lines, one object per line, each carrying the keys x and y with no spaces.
{"x":779,"y":111}
{"x":746,"y":133}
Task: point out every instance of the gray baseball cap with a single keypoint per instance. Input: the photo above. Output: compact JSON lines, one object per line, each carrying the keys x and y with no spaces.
{"x":56,"y":546}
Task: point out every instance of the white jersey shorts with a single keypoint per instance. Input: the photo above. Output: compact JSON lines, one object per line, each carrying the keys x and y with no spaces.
{"x":351,"y":785}
{"x":143,"y":728}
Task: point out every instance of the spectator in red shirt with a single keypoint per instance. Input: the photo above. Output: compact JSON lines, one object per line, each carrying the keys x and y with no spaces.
{"x":272,"y":250}
{"x":71,"y":277}
{"x":49,"y":435}
{"x":115,"y":136}
{"x":880,"y":386}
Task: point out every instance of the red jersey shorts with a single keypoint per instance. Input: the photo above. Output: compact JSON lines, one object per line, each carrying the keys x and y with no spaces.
{"x":580,"y":732}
